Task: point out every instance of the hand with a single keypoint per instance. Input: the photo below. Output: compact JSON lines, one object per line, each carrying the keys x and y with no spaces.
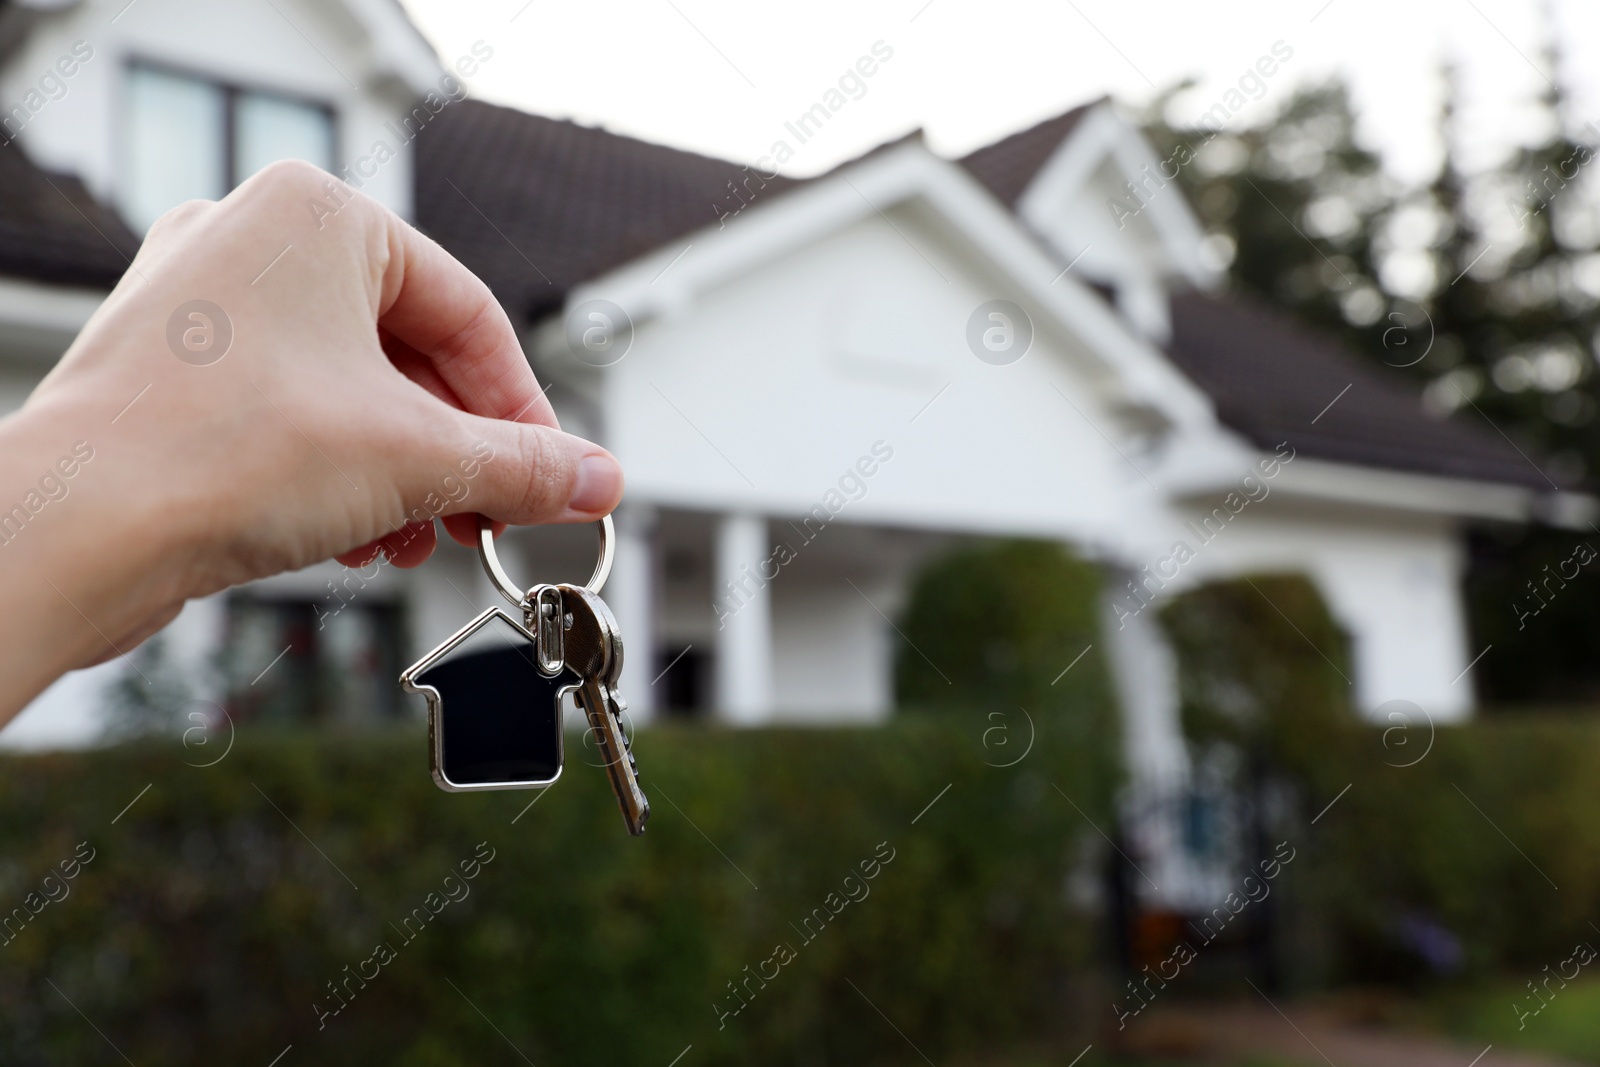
{"x":366,"y":374}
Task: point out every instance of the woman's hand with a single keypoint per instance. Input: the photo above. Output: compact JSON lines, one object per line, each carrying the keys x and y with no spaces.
{"x":286,"y":375}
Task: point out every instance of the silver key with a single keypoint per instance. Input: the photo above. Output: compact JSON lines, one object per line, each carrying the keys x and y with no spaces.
{"x":592,"y":648}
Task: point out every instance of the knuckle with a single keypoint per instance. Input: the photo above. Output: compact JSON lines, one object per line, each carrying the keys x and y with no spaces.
{"x":293,"y":174}
{"x":178,"y":217}
{"x":286,"y":183}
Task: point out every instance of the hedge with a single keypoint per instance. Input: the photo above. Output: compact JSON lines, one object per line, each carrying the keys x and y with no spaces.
{"x":1493,"y":838}
{"x":207,"y":917}
{"x":1427,"y":849}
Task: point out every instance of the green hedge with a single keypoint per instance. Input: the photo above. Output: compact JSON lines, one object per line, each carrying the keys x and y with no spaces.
{"x":1469,"y":828}
{"x":1494,"y":835}
{"x":207,"y":924}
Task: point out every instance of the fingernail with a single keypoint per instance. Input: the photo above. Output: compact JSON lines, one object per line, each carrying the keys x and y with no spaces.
{"x":599,"y":484}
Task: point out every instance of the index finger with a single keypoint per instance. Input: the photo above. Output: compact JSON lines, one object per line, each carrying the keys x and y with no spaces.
{"x":444,"y":312}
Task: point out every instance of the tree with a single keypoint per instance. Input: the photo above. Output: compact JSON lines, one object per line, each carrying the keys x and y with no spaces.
{"x":1293,"y":208}
{"x":1483,"y":284}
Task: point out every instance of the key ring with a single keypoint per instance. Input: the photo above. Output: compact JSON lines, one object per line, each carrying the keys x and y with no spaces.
{"x":508,"y":589}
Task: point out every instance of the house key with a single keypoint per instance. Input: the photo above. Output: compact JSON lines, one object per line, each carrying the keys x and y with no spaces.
{"x":592,"y":649}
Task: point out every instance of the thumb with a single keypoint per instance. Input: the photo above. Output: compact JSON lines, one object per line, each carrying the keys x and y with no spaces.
{"x":531,"y":474}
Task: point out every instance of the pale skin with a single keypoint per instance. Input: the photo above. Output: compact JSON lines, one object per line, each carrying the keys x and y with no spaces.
{"x":366,"y":364}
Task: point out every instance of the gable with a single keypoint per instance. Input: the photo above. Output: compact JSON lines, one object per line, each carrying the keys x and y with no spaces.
{"x":1100,"y":199}
{"x":785,"y":379}
{"x":1105,"y":187}
{"x":1008,"y":166}
{"x":775,"y":358}
{"x":951,"y":210}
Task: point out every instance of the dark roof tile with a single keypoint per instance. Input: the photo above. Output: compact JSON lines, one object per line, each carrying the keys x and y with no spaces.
{"x":536,"y":206}
{"x":1007,"y":167}
{"x":1272,"y":380}
{"x":53,"y":230}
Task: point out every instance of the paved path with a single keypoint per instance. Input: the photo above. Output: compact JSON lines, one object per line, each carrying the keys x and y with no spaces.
{"x":1304,"y":1034}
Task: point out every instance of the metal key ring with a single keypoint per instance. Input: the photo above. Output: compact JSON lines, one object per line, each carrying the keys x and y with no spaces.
{"x":508,"y":589}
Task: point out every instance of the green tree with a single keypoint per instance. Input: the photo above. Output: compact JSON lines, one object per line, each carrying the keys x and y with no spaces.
{"x":1276,"y":695}
{"x":1292,"y":207}
{"x":1483,"y":284}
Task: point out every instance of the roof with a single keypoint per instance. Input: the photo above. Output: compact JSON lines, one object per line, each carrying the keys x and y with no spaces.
{"x":1007,"y":167}
{"x":536,"y":206}
{"x":53,"y":230}
{"x":1274,"y":380}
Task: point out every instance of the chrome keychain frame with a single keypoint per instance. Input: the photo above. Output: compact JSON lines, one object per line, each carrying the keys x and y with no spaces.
{"x":541,"y":627}
{"x":541,"y":604}
{"x":508,"y":589}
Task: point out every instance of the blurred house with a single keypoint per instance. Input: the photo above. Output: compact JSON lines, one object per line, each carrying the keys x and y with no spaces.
{"x":813,"y":384}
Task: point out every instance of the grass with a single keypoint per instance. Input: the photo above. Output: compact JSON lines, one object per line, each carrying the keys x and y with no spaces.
{"x":1055,"y":1056}
{"x":1568,"y":1026}
{"x":1246,"y":1061}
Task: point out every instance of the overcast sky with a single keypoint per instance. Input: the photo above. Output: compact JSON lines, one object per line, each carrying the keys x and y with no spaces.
{"x":722,"y":77}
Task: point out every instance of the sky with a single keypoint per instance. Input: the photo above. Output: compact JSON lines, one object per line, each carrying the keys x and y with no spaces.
{"x":722,"y":78}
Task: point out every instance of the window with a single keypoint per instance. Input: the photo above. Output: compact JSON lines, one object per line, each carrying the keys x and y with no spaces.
{"x":188,"y":138}
{"x":290,"y":659}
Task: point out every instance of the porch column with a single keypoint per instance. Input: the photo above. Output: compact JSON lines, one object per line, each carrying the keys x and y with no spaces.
{"x":630,"y":593}
{"x":742,"y":601}
{"x":1144,"y":672}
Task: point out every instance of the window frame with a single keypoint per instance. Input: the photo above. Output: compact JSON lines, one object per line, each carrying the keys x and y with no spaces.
{"x":232,"y":91}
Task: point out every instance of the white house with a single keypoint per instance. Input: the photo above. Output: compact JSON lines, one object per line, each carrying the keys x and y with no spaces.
{"x":811,"y":384}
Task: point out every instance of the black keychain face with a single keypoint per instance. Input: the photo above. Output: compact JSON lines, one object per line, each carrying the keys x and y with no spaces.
{"x":494,"y":721}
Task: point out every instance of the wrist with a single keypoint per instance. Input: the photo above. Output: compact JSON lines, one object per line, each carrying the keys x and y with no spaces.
{"x":84,"y":565}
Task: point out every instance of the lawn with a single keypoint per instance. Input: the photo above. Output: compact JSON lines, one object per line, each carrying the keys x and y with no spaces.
{"x":1568,"y":1026}
{"x":1096,"y":1058}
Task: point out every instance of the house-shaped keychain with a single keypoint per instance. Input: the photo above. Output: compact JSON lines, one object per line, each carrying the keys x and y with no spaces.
{"x":494,"y":719}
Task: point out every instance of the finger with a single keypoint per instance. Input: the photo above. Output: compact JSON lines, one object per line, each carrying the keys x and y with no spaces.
{"x":360,"y":557}
{"x":534,"y":474}
{"x":432,"y":303}
{"x":463,"y":528}
{"x":410,"y":546}
{"x":407,"y":547}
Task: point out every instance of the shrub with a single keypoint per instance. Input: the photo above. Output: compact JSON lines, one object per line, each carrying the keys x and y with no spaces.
{"x":1264,"y":670}
{"x":990,"y":632}
{"x":1443,"y":845}
{"x":219,"y":906}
